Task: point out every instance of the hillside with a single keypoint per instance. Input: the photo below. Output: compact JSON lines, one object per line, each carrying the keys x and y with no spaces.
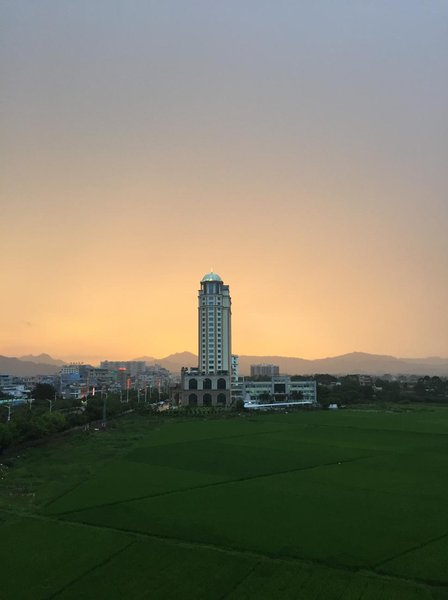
{"x":355,"y":362}
{"x":174,"y":362}
{"x":25,"y":368}
{"x":43,"y":358}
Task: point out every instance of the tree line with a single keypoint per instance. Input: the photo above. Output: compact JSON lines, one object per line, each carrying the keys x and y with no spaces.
{"x":47,"y":415}
{"x":348,"y":390}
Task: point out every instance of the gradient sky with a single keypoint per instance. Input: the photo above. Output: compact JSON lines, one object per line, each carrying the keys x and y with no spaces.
{"x":300,"y":148}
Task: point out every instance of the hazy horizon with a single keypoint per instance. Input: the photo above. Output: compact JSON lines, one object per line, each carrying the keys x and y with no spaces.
{"x":119,"y":357}
{"x":299,"y":149}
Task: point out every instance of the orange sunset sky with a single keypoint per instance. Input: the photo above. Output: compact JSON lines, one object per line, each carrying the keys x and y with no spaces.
{"x":297,"y":148}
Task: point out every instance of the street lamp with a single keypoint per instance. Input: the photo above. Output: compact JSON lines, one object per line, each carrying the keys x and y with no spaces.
{"x":8,"y":404}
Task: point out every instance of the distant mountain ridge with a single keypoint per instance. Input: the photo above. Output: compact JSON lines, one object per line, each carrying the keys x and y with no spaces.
{"x":9,"y":365}
{"x":173,"y":362}
{"x":352,"y":363}
{"x":345,"y":364}
{"x":43,"y":358}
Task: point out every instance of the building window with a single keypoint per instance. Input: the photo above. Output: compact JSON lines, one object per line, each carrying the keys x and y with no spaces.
{"x":222,"y":384}
{"x":207,"y":385}
{"x":207,"y":400}
{"x":193,"y":384}
{"x":192,"y":400}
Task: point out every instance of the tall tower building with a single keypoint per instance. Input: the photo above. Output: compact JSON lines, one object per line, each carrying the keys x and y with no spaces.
{"x":214,"y":326}
{"x":210,"y":383}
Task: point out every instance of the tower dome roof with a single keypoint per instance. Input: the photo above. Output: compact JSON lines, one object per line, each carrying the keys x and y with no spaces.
{"x":211,"y":277}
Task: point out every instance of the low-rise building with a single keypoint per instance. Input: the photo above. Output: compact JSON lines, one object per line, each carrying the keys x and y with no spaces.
{"x":275,"y":391}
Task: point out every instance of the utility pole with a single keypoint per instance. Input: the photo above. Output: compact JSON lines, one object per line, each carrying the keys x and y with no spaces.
{"x":51,"y":404}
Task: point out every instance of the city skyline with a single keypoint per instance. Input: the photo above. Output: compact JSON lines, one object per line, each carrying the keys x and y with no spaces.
{"x":298,"y":148}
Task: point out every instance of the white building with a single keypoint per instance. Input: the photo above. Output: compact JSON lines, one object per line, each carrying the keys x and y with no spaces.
{"x":18,"y":391}
{"x":275,"y":392}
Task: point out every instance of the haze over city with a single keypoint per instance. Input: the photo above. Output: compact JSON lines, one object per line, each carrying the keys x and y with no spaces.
{"x":298,"y":149}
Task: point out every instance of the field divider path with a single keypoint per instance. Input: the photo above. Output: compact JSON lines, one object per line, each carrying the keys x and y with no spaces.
{"x":395,"y":430}
{"x":242,"y":580}
{"x":294,"y":561}
{"x":233,"y":436}
{"x":67,"y":491}
{"x":409,"y":550}
{"x":91,"y":475}
{"x":91,"y":570}
{"x":211,"y":485}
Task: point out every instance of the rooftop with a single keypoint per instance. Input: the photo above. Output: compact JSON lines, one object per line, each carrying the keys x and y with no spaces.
{"x":211,"y":277}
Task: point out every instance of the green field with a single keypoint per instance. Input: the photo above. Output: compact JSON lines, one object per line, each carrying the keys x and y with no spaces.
{"x":347,"y":505}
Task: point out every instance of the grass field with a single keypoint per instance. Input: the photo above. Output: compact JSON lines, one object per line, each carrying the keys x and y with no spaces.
{"x":347,"y":505}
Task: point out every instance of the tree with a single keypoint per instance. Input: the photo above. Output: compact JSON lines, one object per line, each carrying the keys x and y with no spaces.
{"x":43,"y":391}
{"x":325,"y":379}
{"x":239,"y":404}
{"x":28,"y":427}
{"x":265,"y":397}
{"x":53,"y":422}
{"x":5,"y":436}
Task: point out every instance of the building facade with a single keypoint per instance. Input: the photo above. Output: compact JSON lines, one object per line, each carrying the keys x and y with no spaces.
{"x":209,"y":384}
{"x":214,"y":326}
{"x":264,"y":370}
{"x":275,"y":392}
{"x":133,"y":367}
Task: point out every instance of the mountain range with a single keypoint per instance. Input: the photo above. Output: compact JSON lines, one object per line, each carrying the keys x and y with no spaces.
{"x":353,"y":363}
{"x":9,"y":365}
{"x":346,"y":364}
{"x":43,"y":358}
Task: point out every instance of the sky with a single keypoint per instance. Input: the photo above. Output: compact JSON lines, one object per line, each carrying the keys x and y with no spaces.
{"x":297,"y":148}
